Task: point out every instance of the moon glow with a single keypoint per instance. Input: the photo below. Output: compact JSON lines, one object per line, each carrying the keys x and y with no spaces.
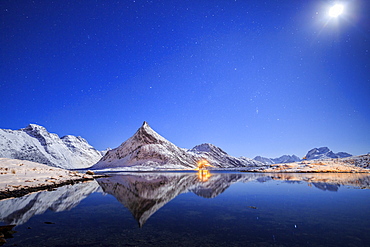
{"x":336,"y":10}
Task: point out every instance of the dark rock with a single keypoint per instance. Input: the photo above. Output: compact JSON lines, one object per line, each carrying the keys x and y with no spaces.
{"x":6,"y":232}
{"x":90,"y":172}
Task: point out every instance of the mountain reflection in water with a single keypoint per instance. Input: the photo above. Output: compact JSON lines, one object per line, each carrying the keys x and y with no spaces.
{"x":18,"y":211}
{"x":145,"y":193}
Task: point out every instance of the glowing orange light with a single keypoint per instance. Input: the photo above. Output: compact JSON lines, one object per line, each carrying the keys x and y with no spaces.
{"x":204,"y":175}
{"x":203,"y":164}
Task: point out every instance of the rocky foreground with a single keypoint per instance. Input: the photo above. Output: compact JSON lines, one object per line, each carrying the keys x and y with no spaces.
{"x":20,"y":177}
{"x":355,"y":164}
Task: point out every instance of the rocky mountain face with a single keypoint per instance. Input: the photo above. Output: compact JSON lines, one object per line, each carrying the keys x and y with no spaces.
{"x":146,"y":149}
{"x":281,"y":159}
{"x":219,"y":158}
{"x":35,"y":143}
{"x":324,"y":153}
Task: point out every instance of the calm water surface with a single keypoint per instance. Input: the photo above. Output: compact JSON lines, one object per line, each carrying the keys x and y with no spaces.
{"x":189,"y":209}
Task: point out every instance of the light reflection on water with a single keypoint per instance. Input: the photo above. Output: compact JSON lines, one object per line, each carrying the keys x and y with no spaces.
{"x":192,"y":209}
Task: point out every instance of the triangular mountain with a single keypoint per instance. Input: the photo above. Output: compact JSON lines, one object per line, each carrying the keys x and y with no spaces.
{"x":147,"y":149}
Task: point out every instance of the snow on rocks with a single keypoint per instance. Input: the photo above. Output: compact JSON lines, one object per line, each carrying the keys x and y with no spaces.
{"x":20,"y":177}
{"x":313,"y":154}
{"x":35,"y":143}
{"x":147,"y":150}
{"x":281,"y":159}
{"x":354,"y":164}
{"x":220,"y":159}
{"x":324,"y":153}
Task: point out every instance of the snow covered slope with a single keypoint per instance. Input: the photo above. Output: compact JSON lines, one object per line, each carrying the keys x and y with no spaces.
{"x":219,"y":158}
{"x":324,"y":153}
{"x":287,"y":159}
{"x":281,"y":159}
{"x":147,"y":150}
{"x":35,"y":143}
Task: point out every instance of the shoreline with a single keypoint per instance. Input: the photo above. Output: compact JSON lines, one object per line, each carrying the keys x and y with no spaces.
{"x":324,"y":172}
{"x":22,"y":177}
{"x":19,"y":190}
{"x":6,"y":194}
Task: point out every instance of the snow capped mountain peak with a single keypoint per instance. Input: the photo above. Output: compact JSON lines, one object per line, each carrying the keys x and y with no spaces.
{"x":207,"y":147}
{"x":264,"y":160}
{"x":71,"y":138}
{"x":35,"y":127}
{"x":145,"y":134}
{"x":318,"y":151}
{"x":324,"y":153}
{"x":315,"y":153}
{"x":35,"y":143}
{"x":146,"y":148}
{"x":145,"y":125}
{"x":40,"y":133}
{"x":219,"y":158}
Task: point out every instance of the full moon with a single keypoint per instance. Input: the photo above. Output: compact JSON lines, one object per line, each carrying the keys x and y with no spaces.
{"x":336,"y":10}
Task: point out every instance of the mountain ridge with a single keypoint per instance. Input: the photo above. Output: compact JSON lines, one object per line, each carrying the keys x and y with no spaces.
{"x":325,"y":153}
{"x":312,"y":154}
{"x":147,"y":149}
{"x":35,"y":143}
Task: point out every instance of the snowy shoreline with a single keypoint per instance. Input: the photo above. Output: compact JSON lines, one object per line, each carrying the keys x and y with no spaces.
{"x":21,"y":177}
{"x":353,"y":164}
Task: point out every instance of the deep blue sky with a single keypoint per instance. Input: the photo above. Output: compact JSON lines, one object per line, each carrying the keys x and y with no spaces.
{"x":252,"y":77}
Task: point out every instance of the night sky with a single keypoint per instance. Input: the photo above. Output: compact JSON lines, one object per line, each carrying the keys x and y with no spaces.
{"x":250,"y":76}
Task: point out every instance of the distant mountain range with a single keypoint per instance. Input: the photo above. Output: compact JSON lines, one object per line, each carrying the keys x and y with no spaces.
{"x":313,"y":154}
{"x":281,"y":159}
{"x":35,"y":143}
{"x":145,"y":150}
{"x":324,"y":153}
